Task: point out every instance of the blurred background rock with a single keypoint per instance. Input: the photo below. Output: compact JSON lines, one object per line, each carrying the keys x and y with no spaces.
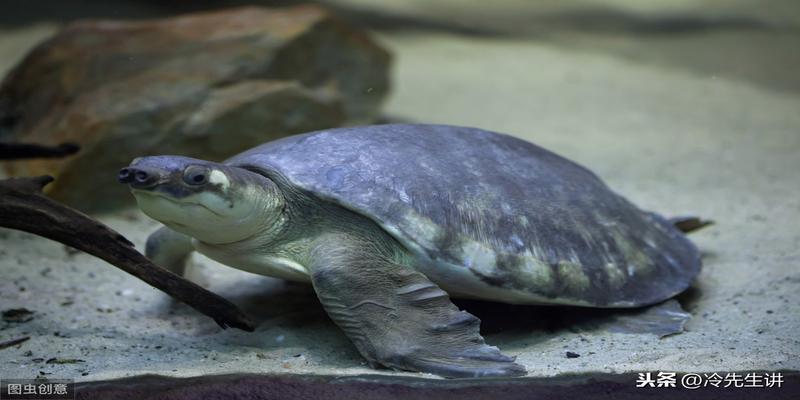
{"x":752,"y":40}
{"x":206,"y":85}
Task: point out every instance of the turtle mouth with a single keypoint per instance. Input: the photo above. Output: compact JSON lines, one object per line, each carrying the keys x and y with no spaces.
{"x":171,"y":199}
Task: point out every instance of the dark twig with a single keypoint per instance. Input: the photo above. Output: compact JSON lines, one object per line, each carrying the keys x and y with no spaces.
{"x":24,"y":207}
{"x":13,"y":342}
{"x":14,"y":151}
{"x":690,"y":224}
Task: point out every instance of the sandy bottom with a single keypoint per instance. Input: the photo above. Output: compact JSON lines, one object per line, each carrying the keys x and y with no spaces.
{"x":674,"y":139}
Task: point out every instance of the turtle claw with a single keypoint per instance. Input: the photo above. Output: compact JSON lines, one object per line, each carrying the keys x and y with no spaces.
{"x":488,"y":362}
{"x":463,"y":371}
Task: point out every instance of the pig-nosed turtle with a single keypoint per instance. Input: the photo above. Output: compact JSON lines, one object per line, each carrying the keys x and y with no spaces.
{"x":388,"y":221}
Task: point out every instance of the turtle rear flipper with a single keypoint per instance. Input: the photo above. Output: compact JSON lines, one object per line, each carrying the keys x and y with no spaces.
{"x":398,"y":318}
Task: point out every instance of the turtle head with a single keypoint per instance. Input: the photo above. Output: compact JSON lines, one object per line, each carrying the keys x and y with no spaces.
{"x":211,"y":202}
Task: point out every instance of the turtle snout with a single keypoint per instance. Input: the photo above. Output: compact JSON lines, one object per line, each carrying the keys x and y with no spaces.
{"x":138,"y":177}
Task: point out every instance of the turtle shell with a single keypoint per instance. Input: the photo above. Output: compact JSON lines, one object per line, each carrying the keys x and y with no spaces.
{"x":489,"y":215}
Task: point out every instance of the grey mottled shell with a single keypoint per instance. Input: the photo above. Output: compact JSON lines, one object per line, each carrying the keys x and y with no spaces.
{"x":489,"y":208}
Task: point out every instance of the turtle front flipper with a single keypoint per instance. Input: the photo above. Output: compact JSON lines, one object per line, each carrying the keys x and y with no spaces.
{"x":398,"y":318}
{"x":169,"y":249}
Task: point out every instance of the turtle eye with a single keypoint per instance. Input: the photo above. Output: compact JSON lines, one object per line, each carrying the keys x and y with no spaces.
{"x":196,"y":175}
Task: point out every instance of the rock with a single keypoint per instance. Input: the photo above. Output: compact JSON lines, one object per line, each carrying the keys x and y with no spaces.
{"x":17,"y":315}
{"x":204,"y":85}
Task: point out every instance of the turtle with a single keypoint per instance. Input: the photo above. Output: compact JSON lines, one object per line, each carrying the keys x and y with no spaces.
{"x":389,"y":222}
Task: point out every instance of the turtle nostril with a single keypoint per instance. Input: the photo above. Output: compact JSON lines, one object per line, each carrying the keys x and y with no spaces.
{"x":124,"y":175}
{"x":141,"y":176}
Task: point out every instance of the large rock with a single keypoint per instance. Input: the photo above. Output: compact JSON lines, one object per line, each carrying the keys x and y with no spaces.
{"x":205,"y":85}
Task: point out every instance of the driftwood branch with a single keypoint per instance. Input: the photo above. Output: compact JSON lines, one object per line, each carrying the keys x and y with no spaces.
{"x":15,"y":151}
{"x":24,"y":207}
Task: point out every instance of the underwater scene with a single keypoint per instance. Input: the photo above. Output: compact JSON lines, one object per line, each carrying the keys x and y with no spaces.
{"x":444,"y":199}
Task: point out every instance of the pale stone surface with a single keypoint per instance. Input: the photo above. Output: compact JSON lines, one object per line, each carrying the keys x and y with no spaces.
{"x":670,"y":139}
